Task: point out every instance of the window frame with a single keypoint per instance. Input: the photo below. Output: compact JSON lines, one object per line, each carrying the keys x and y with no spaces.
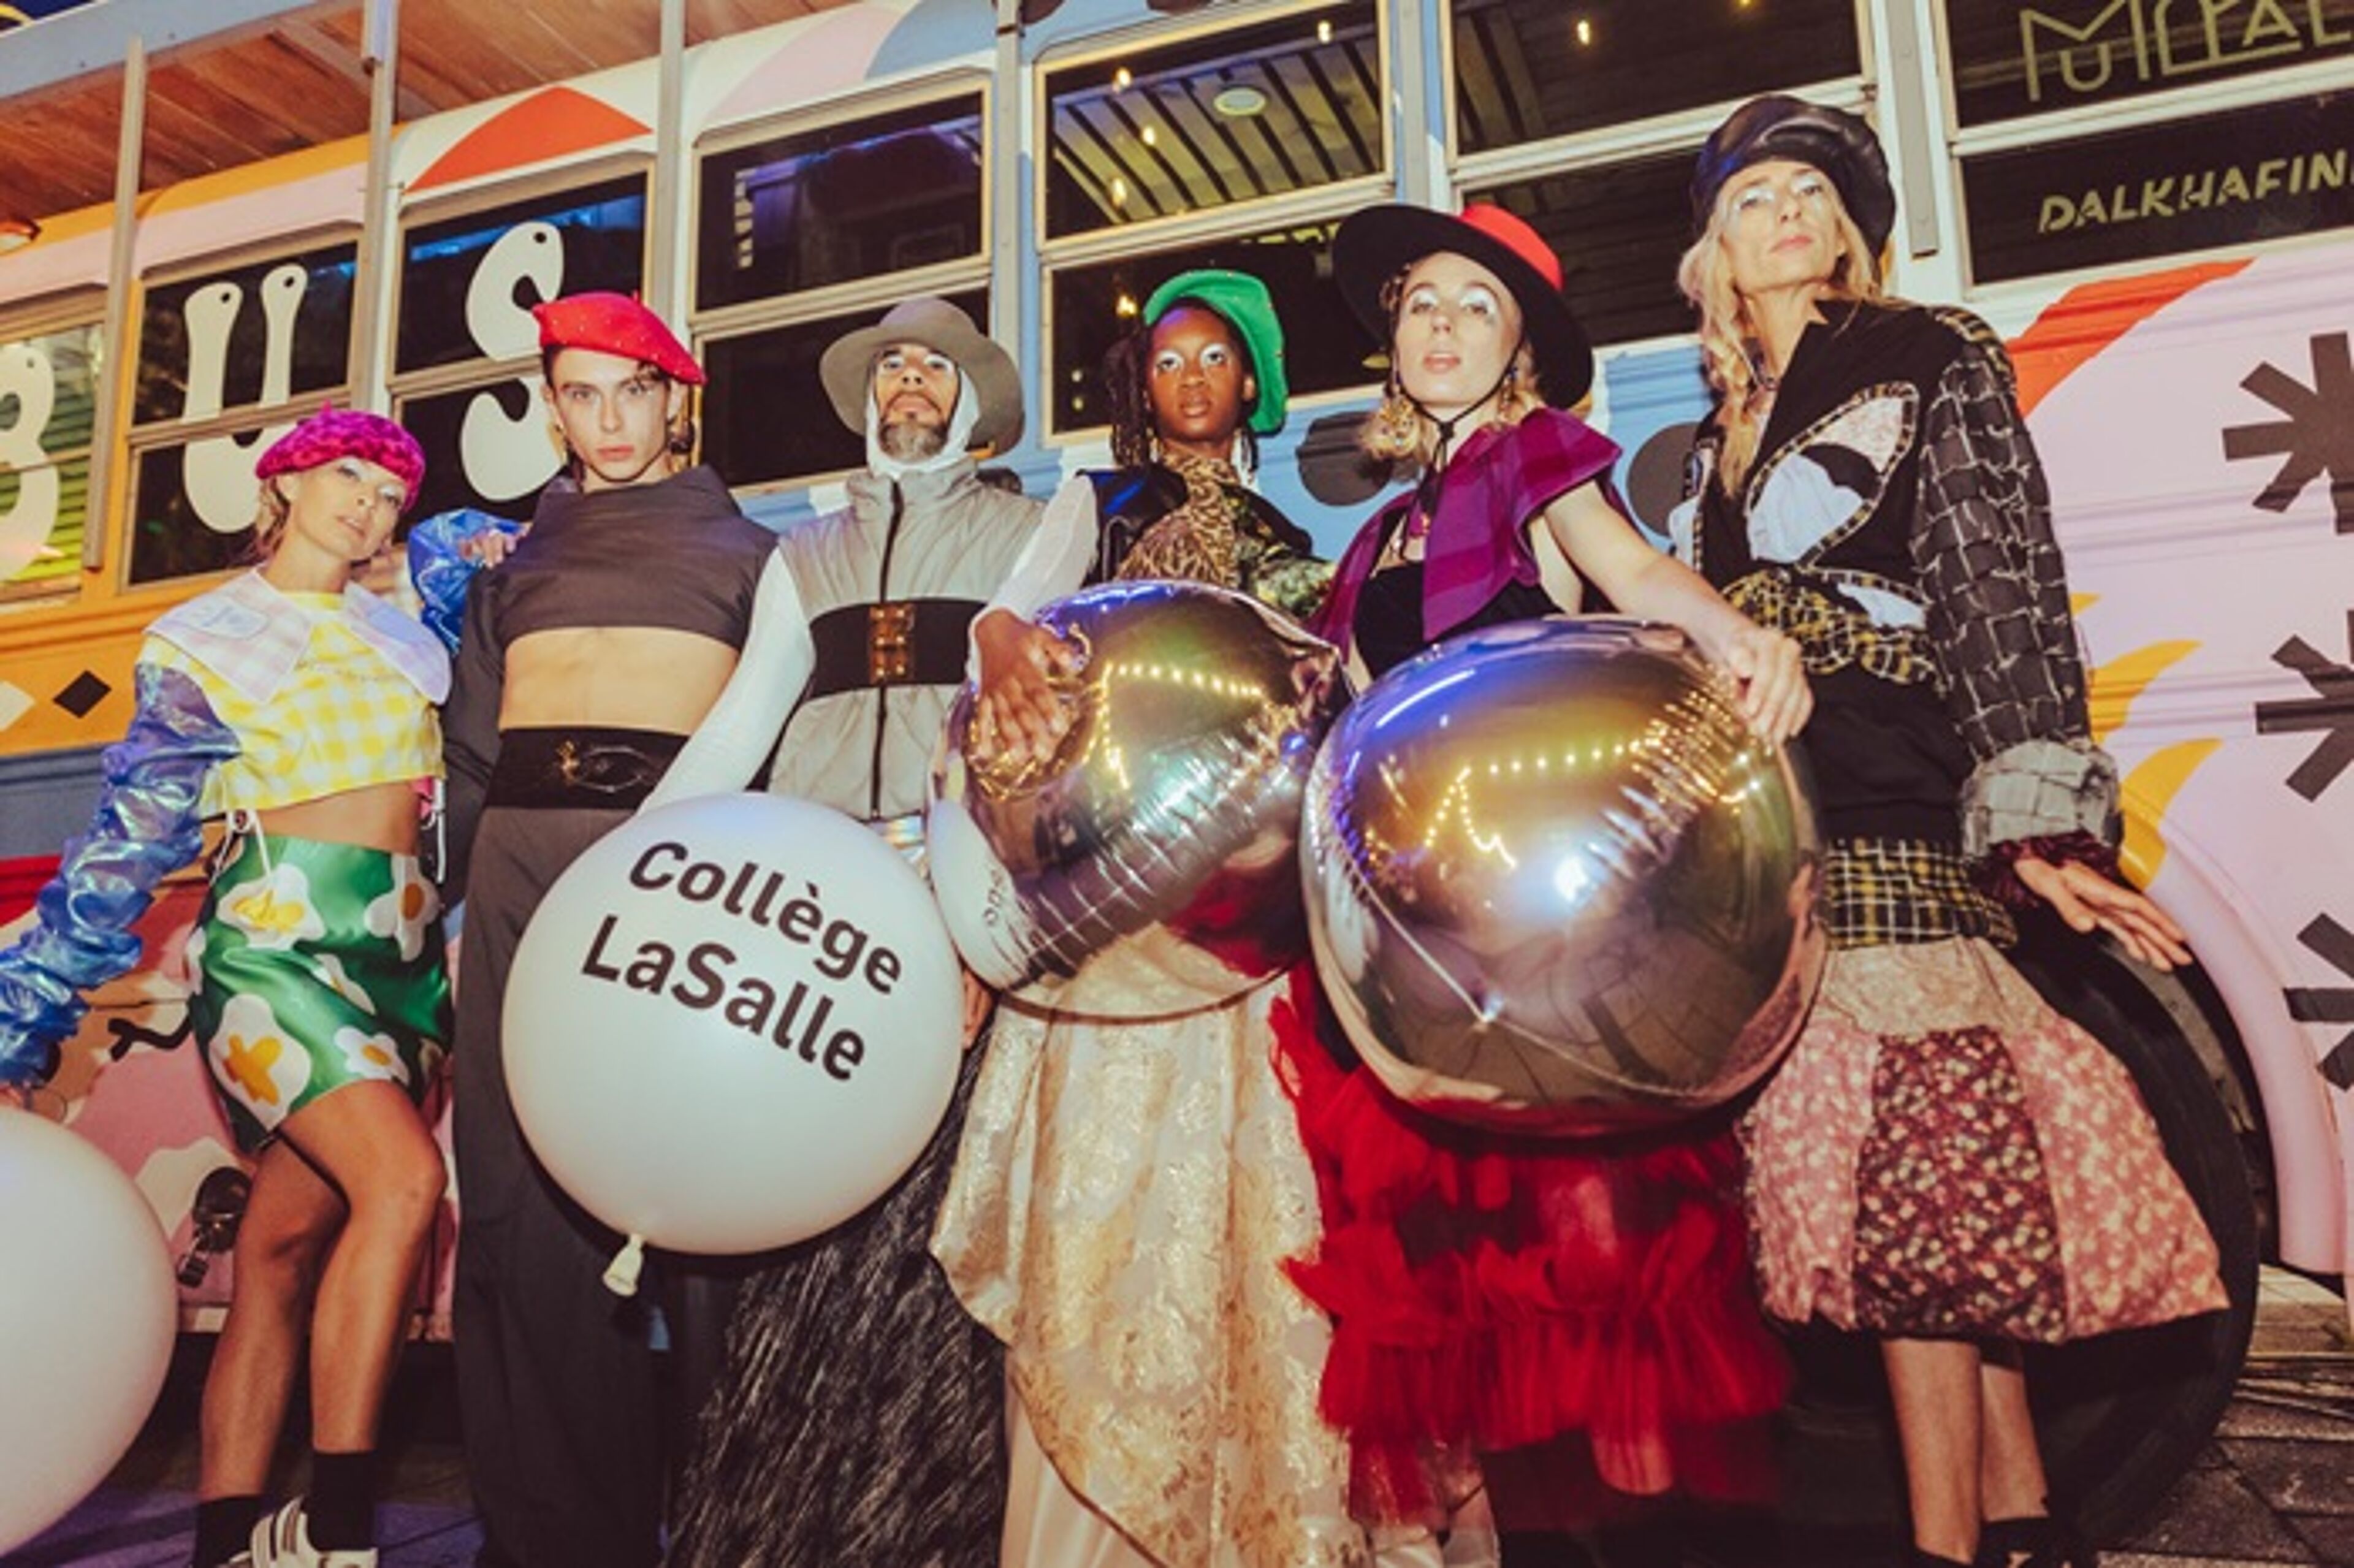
{"x":2059,"y":127}
{"x":138,"y":440}
{"x":459,"y":374}
{"x":876,"y":293}
{"x":1675,"y":130}
{"x":482,"y":373}
{"x":1236,"y":220}
{"x":71,"y":310}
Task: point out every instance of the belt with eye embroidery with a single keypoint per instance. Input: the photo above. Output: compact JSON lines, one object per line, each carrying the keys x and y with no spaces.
{"x":574,"y":766}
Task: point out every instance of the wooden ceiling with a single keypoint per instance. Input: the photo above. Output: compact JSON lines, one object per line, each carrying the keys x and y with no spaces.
{"x":218,"y":102}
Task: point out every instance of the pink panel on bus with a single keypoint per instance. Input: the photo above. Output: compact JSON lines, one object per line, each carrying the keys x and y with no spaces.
{"x":830,"y":55}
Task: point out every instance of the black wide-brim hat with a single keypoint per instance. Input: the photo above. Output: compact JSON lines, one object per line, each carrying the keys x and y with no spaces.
{"x":1832,"y":140}
{"x":1378,"y":243}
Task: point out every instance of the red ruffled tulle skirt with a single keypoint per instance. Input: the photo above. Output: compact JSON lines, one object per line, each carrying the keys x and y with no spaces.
{"x":1578,"y":1321}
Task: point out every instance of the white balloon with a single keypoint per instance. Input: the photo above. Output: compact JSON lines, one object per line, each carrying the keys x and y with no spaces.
{"x":88,"y":1311}
{"x":733,"y":1024}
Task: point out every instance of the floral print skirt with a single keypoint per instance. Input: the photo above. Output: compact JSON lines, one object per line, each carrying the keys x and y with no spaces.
{"x":320,"y":965}
{"x":1945,"y":1155}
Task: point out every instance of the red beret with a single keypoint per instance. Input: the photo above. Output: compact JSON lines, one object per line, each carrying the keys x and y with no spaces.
{"x":346,"y":432}
{"x":616,"y":324}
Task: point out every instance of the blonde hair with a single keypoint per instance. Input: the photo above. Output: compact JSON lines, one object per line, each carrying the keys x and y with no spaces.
{"x":1398,"y":431}
{"x":270,"y":514}
{"x":1728,"y":338}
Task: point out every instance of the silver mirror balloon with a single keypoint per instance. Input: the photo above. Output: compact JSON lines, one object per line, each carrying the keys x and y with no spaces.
{"x":1163,"y":831}
{"x":1556,"y":885}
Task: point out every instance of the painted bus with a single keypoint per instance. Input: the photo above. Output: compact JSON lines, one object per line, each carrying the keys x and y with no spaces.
{"x":2151,"y":200}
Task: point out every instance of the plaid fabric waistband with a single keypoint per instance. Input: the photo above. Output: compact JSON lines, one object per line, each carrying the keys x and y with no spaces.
{"x":1877,"y":891}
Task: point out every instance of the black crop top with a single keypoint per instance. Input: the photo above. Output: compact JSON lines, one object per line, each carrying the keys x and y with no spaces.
{"x":678,"y":555}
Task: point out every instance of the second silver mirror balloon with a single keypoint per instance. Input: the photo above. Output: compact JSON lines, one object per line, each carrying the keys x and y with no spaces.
{"x":1555,"y":884}
{"x":1165,"y":829}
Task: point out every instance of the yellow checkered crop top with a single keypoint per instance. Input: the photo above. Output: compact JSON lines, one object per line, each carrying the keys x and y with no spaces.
{"x":324,"y":692}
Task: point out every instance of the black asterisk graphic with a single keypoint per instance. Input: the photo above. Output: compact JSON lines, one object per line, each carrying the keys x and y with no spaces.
{"x":2317,"y":437}
{"x":2330,"y":1004}
{"x":2329,"y":710}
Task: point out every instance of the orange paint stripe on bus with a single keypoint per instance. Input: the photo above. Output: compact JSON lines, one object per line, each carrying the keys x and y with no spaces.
{"x":2085,"y":320}
{"x":551,"y":124}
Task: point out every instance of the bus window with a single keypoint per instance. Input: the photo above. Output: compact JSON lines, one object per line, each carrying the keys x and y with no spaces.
{"x":466,"y":364}
{"x":227,"y":357}
{"x":1240,"y":115}
{"x":839,"y":203}
{"x":47,"y":402}
{"x":1529,"y":69}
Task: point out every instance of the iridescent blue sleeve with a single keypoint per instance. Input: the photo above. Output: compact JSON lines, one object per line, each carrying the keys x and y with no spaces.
{"x":438,"y":566}
{"x":148,"y":824}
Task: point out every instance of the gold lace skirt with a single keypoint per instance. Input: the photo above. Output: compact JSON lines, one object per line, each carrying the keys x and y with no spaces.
{"x":1123,"y":1199}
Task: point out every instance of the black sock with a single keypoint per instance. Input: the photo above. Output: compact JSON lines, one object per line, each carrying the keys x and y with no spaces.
{"x":341,"y":1504}
{"x":225,"y":1527}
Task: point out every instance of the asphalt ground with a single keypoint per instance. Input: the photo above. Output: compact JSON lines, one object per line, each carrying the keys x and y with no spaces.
{"x":2275,"y":1486}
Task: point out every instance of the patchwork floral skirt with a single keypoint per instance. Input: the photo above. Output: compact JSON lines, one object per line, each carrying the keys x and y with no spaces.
{"x":1942,"y":1156}
{"x":320,"y":965}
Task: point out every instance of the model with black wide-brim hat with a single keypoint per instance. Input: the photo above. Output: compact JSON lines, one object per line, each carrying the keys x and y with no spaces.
{"x":1379,"y":243}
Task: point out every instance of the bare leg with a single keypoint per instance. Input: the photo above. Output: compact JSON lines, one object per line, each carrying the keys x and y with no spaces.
{"x":1935,"y":1387}
{"x":370,"y":1142}
{"x":2012,"y":1466}
{"x":291,"y":1219}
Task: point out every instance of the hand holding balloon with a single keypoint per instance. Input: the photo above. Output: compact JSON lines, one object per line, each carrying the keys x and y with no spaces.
{"x":978,"y":1000}
{"x":1022,"y":705}
{"x":1775,"y":696}
{"x":1149,"y":826}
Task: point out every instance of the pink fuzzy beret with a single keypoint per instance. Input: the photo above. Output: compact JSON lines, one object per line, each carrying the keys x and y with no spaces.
{"x":346,"y":432}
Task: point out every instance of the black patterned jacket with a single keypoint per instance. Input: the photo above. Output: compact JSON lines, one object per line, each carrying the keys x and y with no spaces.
{"x":1896,"y":524}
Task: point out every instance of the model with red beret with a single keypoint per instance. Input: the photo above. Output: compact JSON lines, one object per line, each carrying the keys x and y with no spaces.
{"x":587,"y":656}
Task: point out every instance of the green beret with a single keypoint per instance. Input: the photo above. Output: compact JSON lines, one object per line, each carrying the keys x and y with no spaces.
{"x":1242,"y":303}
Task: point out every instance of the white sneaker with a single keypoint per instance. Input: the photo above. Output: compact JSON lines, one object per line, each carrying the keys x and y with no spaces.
{"x":283,"y":1540}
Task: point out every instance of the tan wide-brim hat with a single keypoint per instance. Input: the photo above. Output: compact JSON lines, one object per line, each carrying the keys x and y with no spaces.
{"x":847,"y":369}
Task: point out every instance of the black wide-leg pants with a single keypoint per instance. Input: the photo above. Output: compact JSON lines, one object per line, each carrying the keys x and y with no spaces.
{"x":572,"y":1421}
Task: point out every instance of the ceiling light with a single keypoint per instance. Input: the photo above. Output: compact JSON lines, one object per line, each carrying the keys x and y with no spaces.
{"x":1239,"y":102}
{"x":1324,"y":32}
{"x":1120,"y":79}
